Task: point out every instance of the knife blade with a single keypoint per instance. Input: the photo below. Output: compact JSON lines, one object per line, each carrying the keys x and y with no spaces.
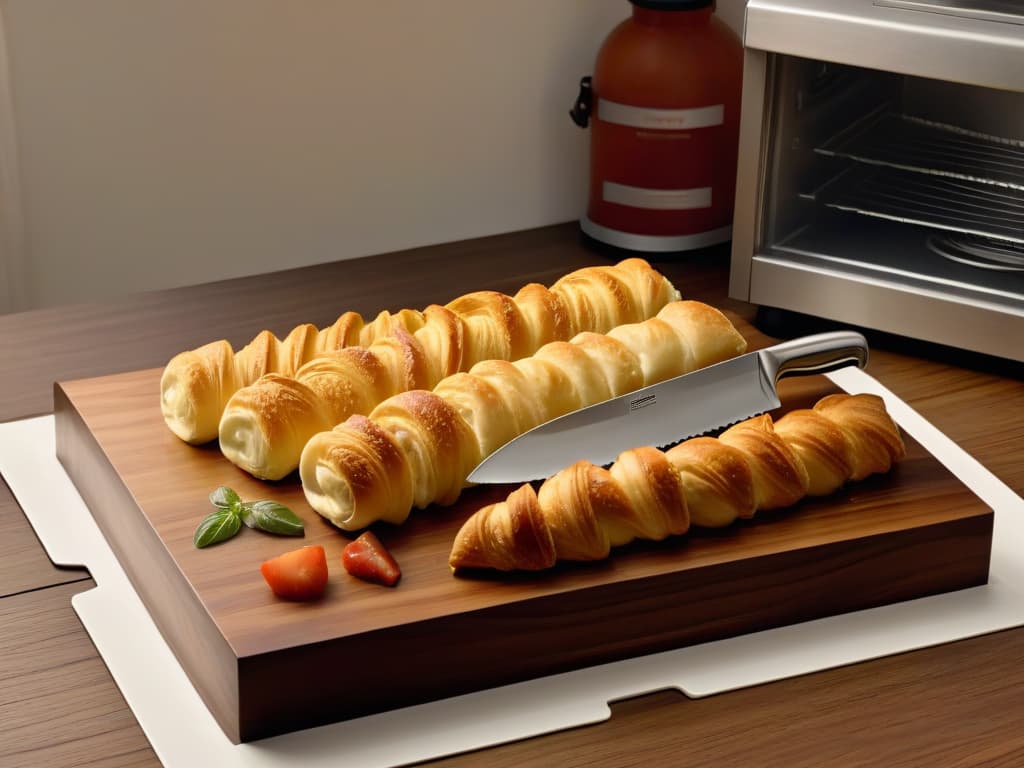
{"x":665,"y":413}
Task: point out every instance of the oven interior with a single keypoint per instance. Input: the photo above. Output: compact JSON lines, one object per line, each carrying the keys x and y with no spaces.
{"x":896,"y":178}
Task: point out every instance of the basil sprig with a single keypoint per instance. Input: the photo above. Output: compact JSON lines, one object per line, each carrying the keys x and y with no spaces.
{"x":226,"y":520}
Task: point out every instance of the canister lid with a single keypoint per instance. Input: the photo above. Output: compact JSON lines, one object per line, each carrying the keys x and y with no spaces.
{"x":672,"y":5}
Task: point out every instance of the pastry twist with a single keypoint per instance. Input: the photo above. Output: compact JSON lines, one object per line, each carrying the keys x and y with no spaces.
{"x":196,"y":385}
{"x":418,"y":447}
{"x":583,"y":511}
{"x":265,"y":425}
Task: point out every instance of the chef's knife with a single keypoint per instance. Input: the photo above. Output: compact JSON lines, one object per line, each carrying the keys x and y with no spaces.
{"x":664,"y":413}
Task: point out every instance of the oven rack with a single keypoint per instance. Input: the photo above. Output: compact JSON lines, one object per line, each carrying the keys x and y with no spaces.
{"x":915,"y":144}
{"x":929,"y":200}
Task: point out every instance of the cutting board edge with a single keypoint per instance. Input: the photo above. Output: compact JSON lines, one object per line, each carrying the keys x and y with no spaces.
{"x":203,"y":652}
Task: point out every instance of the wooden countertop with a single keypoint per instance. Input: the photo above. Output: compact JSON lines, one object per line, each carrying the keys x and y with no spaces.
{"x":958,"y":704}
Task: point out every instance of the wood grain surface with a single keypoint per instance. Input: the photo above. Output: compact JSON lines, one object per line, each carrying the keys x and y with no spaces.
{"x":914,"y":531}
{"x":957,"y":704}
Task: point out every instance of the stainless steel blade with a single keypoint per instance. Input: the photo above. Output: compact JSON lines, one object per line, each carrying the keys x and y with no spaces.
{"x":660,"y":415}
{"x":664,"y":413}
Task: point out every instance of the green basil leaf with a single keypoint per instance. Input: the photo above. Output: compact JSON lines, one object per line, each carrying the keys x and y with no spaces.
{"x":224,"y":497}
{"x":272,"y":517}
{"x":216,"y":527}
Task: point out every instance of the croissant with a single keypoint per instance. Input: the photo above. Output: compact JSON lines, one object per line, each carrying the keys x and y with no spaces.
{"x":265,"y":425}
{"x":583,"y":511}
{"x":417,"y":448}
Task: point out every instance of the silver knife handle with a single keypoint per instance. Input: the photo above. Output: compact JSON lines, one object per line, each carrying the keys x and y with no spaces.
{"x":819,"y":353}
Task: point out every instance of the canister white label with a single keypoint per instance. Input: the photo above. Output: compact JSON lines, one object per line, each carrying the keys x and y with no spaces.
{"x":658,"y":199}
{"x":660,"y":119}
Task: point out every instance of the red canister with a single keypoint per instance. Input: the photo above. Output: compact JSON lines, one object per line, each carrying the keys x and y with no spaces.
{"x":663,"y":106}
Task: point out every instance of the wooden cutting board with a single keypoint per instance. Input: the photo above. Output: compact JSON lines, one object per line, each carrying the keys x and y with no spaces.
{"x":264,"y":666}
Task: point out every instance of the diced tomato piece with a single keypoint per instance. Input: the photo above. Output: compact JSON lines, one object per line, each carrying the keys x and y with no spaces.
{"x":297,"y":575}
{"x":366,"y":558}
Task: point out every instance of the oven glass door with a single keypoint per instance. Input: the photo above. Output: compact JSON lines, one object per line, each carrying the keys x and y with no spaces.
{"x":882,"y":184}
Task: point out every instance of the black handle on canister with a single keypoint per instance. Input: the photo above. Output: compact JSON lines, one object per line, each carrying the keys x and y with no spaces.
{"x":580,"y":112}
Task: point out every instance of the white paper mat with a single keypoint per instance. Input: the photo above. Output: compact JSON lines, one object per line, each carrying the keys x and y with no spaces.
{"x":184,"y":734}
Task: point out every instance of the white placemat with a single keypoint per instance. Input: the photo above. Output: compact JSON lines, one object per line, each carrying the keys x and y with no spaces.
{"x":184,"y":734}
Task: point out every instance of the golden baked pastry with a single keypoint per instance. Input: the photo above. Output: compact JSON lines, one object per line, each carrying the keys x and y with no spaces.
{"x":265,"y":425}
{"x":584,"y":511}
{"x":196,"y":384}
{"x":417,"y":448}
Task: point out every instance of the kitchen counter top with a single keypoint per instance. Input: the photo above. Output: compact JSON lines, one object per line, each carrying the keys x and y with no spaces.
{"x":958,"y":704}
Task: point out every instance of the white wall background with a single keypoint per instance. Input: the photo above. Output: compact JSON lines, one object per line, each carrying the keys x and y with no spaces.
{"x":162,"y":143}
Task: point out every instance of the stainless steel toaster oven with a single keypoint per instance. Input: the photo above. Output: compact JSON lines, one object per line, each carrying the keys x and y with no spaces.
{"x":881,"y":167}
